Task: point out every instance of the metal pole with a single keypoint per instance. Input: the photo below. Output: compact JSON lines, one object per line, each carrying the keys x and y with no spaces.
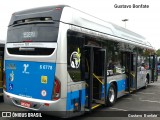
{"x":125,"y":20}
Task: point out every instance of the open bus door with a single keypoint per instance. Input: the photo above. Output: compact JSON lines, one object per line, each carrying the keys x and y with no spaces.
{"x":129,"y":60}
{"x":95,"y":77}
{"x":153,"y":64}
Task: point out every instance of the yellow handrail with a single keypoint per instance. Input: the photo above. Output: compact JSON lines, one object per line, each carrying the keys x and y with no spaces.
{"x":98,"y":78}
{"x":133,"y":74}
{"x":93,"y":73}
{"x":96,"y":106}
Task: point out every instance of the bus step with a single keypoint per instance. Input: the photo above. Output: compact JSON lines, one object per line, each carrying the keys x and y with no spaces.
{"x":95,"y":106}
{"x":86,"y":109}
{"x":127,"y":92}
{"x":99,"y":101}
{"x":133,"y":89}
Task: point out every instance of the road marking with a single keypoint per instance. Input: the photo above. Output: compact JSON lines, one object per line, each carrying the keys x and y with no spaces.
{"x":118,"y":109}
{"x":150,"y":101}
{"x":146,"y":93}
{"x":134,"y":94}
{"x":128,"y":98}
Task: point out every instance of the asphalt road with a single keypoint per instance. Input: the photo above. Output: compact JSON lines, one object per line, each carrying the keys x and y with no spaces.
{"x":143,"y":100}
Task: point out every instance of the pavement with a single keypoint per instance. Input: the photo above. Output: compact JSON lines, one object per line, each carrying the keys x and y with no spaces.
{"x":144,"y":101}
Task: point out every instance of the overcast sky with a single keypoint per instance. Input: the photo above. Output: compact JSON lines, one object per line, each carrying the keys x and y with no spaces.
{"x":144,"y":21}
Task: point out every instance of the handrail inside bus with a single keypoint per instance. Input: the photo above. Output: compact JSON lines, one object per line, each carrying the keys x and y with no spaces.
{"x":98,"y":79}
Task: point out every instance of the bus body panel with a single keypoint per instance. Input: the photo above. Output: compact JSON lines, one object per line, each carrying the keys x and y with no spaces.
{"x":150,"y":76}
{"x":76,"y":93}
{"x":141,"y":78}
{"x":30,"y":79}
{"x":61,"y":58}
{"x":121,"y":81}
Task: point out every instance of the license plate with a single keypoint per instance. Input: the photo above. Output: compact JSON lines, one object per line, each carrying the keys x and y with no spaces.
{"x":25,"y":104}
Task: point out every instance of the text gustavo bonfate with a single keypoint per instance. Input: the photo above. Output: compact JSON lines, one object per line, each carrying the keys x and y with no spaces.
{"x":131,"y":6}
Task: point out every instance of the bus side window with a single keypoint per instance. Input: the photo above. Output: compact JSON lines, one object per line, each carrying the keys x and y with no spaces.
{"x":114,"y":59}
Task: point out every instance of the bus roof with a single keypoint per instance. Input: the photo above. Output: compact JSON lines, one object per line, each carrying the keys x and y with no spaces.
{"x":2,"y":41}
{"x":38,"y":12}
{"x":113,"y":32}
{"x":78,"y":18}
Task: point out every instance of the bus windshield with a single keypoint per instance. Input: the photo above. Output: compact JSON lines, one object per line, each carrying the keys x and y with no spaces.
{"x":33,"y":33}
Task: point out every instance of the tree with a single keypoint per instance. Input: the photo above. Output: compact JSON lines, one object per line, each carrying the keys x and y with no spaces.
{"x":158,"y":52}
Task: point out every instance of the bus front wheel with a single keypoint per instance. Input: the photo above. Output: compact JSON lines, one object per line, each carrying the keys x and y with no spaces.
{"x":112,"y":95}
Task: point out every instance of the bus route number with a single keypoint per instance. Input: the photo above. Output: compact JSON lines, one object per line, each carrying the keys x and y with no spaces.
{"x":29,"y":34}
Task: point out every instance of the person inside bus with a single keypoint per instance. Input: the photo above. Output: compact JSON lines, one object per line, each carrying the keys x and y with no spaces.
{"x":111,"y":67}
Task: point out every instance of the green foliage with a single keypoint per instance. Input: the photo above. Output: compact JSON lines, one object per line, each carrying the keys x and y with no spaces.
{"x":158,"y":52}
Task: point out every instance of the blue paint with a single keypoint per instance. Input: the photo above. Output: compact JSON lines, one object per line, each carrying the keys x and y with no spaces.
{"x":25,"y":78}
{"x":74,"y":96}
{"x":121,"y":85}
{"x":81,"y":94}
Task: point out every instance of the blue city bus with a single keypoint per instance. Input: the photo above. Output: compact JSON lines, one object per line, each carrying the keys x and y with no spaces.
{"x":63,"y":60}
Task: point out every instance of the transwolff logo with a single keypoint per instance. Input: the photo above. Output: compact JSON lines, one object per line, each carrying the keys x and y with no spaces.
{"x":25,"y":66}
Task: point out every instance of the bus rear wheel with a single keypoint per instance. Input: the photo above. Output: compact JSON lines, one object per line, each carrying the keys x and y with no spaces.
{"x":112,"y":95}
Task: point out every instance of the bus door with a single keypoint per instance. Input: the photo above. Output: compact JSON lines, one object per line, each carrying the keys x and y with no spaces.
{"x":133,"y":72}
{"x":130,"y":64}
{"x":95,"y":77}
{"x":153,"y":66}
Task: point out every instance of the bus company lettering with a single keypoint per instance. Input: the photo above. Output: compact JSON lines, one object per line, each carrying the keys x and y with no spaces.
{"x":25,"y":66}
{"x":11,"y":66}
{"x":46,"y":67}
{"x":11,"y":76}
{"x":25,"y":95}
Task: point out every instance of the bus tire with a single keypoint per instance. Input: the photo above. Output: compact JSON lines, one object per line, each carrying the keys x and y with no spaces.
{"x":112,"y":95}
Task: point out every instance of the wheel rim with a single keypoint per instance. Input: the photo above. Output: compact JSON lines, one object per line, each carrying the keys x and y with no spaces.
{"x":111,"y":95}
